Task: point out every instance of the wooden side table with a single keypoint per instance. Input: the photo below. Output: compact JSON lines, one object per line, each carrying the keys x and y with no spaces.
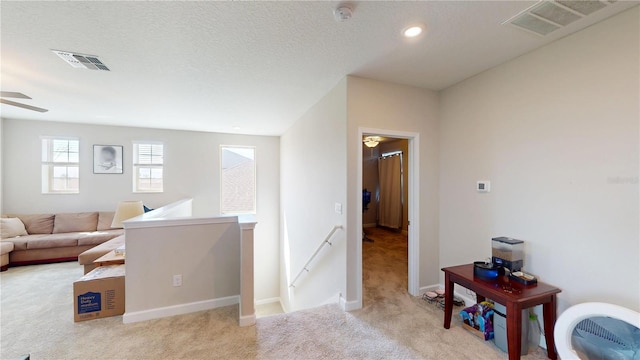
{"x":110,"y":258}
{"x":513,"y":295}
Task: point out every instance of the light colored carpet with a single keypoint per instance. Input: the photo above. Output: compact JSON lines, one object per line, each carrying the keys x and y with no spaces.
{"x":36,"y":316}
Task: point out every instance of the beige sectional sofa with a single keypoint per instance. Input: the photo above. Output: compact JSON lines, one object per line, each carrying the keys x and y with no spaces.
{"x":54,"y":237}
{"x":5,"y":248}
{"x":88,"y":257}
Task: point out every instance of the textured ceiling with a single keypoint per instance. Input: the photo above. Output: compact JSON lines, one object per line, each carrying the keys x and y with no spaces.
{"x":242,"y":67}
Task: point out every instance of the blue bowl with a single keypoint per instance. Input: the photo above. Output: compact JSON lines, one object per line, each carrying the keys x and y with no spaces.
{"x":487,"y":271}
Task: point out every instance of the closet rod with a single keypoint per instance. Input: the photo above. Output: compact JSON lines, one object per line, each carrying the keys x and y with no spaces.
{"x":390,"y":155}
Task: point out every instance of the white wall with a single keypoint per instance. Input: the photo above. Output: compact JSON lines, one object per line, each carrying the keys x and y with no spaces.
{"x":192,"y":170}
{"x":556,"y":132}
{"x":381,"y":105}
{"x":313,"y":178}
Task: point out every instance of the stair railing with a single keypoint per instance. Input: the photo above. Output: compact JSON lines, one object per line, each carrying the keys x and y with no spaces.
{"x":315,"y":253}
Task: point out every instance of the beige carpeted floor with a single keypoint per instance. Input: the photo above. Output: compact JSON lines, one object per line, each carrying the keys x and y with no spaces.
{"x":36,"y":317}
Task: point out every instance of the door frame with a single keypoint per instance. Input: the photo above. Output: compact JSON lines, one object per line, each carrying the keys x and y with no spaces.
{"x":413,"y":285}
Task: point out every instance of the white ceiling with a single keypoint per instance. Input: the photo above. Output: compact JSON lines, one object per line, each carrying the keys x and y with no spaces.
{"x":242,"y":67}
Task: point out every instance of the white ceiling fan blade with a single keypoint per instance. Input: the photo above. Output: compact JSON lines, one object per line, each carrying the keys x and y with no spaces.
{"x":24,"y":106}
{"x":13,"y":94}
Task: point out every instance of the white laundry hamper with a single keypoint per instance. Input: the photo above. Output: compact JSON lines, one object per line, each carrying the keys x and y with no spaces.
{"x":598,"y":331}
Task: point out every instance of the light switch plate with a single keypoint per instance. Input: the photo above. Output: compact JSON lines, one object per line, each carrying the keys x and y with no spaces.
{"x":483,"y":186}
{"x":338,"y":208}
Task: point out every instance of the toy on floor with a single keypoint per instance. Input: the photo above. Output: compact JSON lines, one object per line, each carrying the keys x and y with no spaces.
{"x":480,"y":317}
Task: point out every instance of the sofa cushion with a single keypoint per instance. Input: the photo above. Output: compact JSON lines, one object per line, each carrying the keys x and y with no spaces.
{"x":20,"y":242}
{"x":52,"y":241}
{"x":11,"y":227}
{"x":6,"y":247}
{"x":105,"y":218}
{"x":75,"y":222}
{"x":98,"y":237}
{"x":38,"y":224}
{"x":92,"y":254}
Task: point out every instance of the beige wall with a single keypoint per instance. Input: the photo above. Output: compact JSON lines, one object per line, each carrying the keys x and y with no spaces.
{"x":192,"y":170}
{"x":313,"y":179}
{"x":556,"y":132}
{"x":380,"y":105}
{"x":401,"y":145}
{"x":207,"y":256}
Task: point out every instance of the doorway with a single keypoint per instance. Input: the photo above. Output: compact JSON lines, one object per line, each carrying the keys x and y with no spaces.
{"x":412,"y":185}
{"x":385,"y":174}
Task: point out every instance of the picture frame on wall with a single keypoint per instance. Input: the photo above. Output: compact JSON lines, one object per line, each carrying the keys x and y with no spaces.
{"x":107,"y":159}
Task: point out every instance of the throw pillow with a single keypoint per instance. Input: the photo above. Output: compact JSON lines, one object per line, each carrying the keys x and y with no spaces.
{"x":11,"y":227}
{"x":37,"y":224}
{"x":105,"y":218}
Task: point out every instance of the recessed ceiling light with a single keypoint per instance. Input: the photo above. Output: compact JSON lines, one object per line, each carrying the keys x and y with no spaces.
{"x":237,"y":128}
{"x":412,"y":31}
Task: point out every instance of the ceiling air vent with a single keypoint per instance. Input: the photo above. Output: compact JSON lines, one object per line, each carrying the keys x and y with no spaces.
{"x":548,"y":16}
{"x":583,"y":7}
{"x":81,"y":61}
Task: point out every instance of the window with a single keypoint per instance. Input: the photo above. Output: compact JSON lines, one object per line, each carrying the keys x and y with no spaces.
{"x":60,"y":166}
{"x":148,"y":167}
{"x":238,"y":180}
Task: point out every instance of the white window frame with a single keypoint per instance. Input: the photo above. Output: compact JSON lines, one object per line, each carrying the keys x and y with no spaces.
{"x":48,"y":164}
{"x":255,"y":181}
{"x":137,"y":165}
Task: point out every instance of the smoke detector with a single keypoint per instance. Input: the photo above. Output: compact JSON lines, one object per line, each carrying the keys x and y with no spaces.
{"x":81,"y":61}
{"x":343,"y":13}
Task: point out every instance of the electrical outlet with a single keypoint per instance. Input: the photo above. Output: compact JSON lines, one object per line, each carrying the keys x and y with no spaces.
{"x":177,"y":280}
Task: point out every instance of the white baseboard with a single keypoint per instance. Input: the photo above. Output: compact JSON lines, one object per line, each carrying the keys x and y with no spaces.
{"x":371,"y":225}
{"x":137,"y":316}
{"x":248,"y":320}
{"x":267,"y":301}
{"x":350,"y":305}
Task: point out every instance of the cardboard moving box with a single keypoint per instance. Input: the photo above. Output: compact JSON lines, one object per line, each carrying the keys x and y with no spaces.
{"x":99,"y":294}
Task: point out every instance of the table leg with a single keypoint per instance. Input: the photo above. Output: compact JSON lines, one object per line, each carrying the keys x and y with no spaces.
{"x":448,"y":300}
{"x":549,"y":315}
{"x":514,"y":330}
